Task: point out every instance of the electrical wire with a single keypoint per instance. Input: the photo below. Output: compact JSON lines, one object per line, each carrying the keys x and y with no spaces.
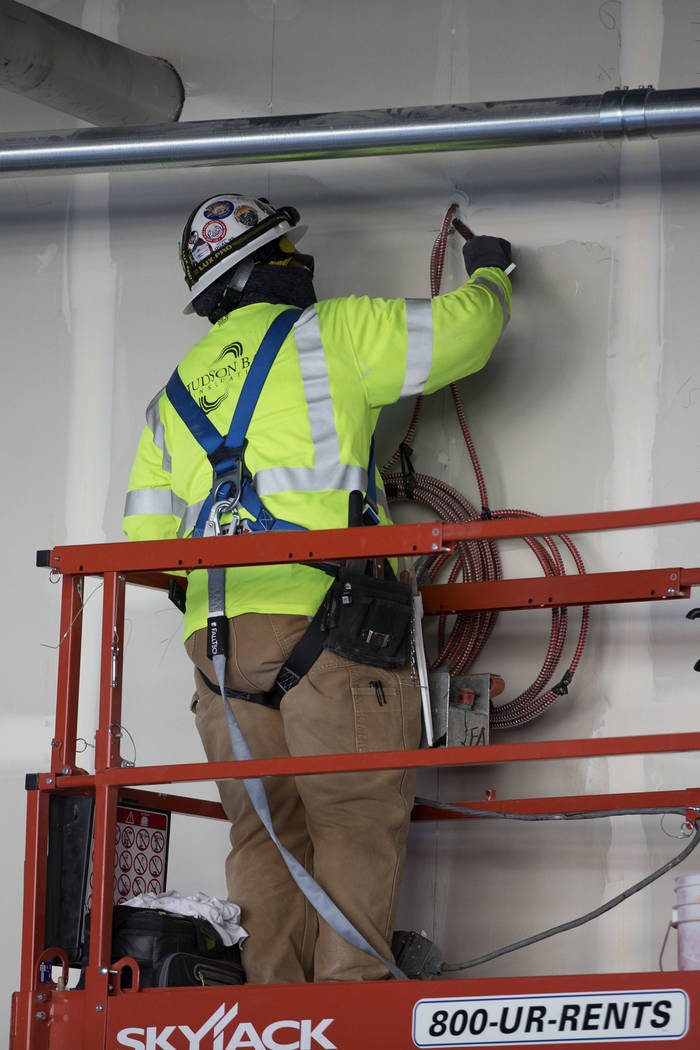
{"x":46,"y":645}
{"x":593,"y":814}
{"x":118,"y":730}
{"x":668,"y":833}
{"x":595,"y":913}
{"x":477,"y":560}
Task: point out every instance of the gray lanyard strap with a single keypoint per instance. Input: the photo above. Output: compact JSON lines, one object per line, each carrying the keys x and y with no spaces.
{"x":320,"y":900}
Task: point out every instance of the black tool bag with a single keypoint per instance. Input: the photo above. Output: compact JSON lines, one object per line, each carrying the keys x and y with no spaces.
{"x":174,"y":950}
{"x":368,"y":620}
{"x":181,"y":969}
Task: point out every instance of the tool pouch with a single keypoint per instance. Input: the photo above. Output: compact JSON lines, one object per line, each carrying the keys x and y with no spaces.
{"x":368,"y":620}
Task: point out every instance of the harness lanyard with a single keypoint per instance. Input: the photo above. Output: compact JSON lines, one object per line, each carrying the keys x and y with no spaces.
{"x":317,"y":897}
{"x":227,"y":461}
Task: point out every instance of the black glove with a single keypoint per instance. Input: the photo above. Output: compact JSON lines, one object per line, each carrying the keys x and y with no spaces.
{"x":486,"y":251}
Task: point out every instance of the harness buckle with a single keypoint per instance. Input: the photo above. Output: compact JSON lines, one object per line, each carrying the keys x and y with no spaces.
{"x":287,"y":679}
{"x":214,"y":525}
{"x":230,"y":472}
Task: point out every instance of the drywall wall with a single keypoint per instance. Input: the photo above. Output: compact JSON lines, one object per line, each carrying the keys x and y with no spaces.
{"x":589,"y":403}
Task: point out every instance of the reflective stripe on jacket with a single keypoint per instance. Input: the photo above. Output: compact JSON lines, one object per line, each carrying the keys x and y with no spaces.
{"x":308,"y":442}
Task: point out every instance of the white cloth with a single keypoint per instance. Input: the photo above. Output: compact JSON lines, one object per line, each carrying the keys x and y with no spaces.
{"x":223,"y":915}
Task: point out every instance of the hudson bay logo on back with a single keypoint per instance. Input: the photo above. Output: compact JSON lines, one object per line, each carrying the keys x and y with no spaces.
{"x":233,"y":348}
{"x":210,"y":406}
{"x":231,"y":363}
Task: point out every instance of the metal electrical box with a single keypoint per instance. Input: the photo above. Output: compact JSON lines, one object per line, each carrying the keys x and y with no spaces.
{"x":460,"y":709}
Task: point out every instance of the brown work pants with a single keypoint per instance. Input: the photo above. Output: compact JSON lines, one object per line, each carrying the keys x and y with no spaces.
{"x":348,"y":829}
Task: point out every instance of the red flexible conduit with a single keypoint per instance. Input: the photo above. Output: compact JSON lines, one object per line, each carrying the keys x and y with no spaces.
{"x":476,"y":560}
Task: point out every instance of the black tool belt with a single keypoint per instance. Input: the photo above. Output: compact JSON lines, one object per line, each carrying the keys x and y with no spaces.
{"x":365,"y":619}
{"x":368,"y":620}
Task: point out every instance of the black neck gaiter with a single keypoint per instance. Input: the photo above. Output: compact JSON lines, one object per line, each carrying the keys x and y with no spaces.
{"x":288,"y":285}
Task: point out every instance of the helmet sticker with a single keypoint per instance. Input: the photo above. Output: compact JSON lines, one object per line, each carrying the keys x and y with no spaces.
{"x":214,"y":231}
{"x":218,"y":210}
{"x":246,"y":215}
{"x":200,"y":251}
{"x":223,"y":230}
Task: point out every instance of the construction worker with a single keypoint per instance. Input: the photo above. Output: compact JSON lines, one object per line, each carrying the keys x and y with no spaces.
{"x":307,"y":449}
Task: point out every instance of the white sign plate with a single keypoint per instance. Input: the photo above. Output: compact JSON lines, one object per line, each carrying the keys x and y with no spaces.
{"x":539,"y":1020}
{"x":141,"y":841}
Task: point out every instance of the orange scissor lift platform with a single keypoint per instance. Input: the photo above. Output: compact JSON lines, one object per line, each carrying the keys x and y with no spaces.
{"x":604,"y":1010}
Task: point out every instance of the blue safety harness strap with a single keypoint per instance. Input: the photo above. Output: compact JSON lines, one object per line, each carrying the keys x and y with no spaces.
{"x":226,"y":454}
{"x":197,"y":420}
{"x":257,"y":374}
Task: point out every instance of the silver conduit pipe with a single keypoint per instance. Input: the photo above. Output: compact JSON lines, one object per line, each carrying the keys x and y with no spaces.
{"x":622,"y":113}
{"x":69,"y":69}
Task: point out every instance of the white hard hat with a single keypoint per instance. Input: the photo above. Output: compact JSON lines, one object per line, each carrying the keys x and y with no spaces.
{"x":225,"y":229}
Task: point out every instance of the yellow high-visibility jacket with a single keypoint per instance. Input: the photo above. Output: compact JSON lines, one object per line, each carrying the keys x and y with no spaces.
{"x":309,"y":438}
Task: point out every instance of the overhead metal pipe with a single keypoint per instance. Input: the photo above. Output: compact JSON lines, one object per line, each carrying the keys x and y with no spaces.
{"x":82,"y":74}
{"x":617,"y":114}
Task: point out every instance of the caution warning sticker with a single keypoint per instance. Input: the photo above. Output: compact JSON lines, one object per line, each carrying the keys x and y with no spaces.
{"x":540,"y":1020}
{"x":140,"y":854}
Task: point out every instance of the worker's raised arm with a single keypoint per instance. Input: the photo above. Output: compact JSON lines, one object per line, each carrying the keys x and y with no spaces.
{"x":405,"y":347}
{"x":467,"y":324}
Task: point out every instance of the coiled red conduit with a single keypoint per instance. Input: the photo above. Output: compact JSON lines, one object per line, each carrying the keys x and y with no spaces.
{"x":477,"y":560}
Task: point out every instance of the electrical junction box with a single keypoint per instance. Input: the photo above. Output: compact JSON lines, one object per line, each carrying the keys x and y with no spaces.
{"x":460,"y":709}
